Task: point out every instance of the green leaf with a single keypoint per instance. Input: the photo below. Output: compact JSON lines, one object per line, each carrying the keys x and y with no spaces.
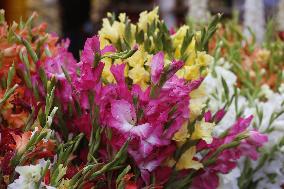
{"x":119,"y":178}
{"x":186,"y":41}
{"x":139,"y":35}
{"x":30,"y":50}
{"x":11,"y":74}
{"x":7,"y":94}
{"x":127,"y":32}
{"x":226,"y":89}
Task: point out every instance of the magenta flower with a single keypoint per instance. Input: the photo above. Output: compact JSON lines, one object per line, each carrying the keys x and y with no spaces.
{"x":257,"y":139}
{"x":157,"y":67}
{"x":92,"y":47}
{"x":82,"y":124}
{"x":208,"y":116}
{"x":53,"y":68}
{"x":124,"y":120}
{"x":153,"y":161}
{"x":240,"y":126}
{"x":89,"y":78}
{"x":149,"y":123}
{"x":118,"y":73}
{"x":227,"y":159}
{"x":219,"y":115}
{"x":206,"y":180}
{"x":174,"y":67}
{"x":53,"y":65}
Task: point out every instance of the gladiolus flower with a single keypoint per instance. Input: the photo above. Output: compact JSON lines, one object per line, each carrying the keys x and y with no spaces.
{"x":157,"y":67}
{"x":92,"y":49}
{"x":124,"y":120}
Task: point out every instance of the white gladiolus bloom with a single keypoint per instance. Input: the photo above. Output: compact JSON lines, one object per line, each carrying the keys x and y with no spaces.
{"x":271,"y":174}
{"x":29,"y":176}
{"x":229,"y":180}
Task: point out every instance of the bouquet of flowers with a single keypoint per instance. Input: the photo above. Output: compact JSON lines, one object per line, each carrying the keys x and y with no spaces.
{"x":253,"y":74}
{"x":132,"y":113}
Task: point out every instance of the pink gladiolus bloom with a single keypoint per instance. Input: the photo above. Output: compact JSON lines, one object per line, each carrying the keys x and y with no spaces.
{"x":257,"y":138}
{"x":83,"y":124}
{"x":240,"y":126}
{"x":118,"y":73}
{"x":89,"y":78}
{"x":219,"y":115}
{"x":124,"y":120}
{"x":227,"y":160}
{"x":174,"y":67}
{"x":53,"y":65}
{"x":157,"y":67}
{"x":91,"y":48}
{"x":208,"y":116}
{"x":151,"y":162}
{"x":206,"y":180}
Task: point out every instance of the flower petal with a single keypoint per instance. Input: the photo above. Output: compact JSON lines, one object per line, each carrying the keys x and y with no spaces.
{"x":157,"y":67}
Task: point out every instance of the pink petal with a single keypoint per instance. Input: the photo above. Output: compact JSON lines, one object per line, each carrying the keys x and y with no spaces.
{"x":157,"y":67}
{"x":207,"y":180}
{"x":240,"y":125}
{"x":257,"y":138}
{"x":108,"y":48}
{"x":145,"y":149}
{"x":219,"y":115}
{"x":92,"y":46}
{"x":208,"y":116}
{"x":174,"y":67}
{"x":90,"y":77}
{"x":195,"y":84}
{"x":141,"y":130}
{"x":122,"y":111}
{"x":118,"y":73}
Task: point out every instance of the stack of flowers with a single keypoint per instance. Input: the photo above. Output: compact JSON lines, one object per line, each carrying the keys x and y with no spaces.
{"x":130,"y":114}
{"x":253,"y":74}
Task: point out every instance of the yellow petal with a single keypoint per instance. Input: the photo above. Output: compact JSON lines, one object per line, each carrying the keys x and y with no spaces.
{"x":186,"y":160}
{"x":139,"y":76}
{"x":182,"y":134}
{"x":146,"y":18}
{"x":203,"y":130}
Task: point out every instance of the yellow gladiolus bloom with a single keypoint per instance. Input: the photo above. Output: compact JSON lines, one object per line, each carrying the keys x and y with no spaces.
{"x":106,"y":74}
{"x":139,"y":76}
{"x":186,"y":160}
{"x":203,"y":130}
{"x":204,"y":59}
{"x":139,"y":58}
{"x":198,"y":99}
{"x":182,"y":134}
{"x":147,"y":18}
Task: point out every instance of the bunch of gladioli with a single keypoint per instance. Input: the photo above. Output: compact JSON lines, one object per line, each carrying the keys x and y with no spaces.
{"x":132,"y":113}
{"x":254,"y":74}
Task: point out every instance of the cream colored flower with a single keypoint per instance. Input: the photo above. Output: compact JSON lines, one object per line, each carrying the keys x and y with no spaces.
{"x":182,"y":134}
{"x":146,"y":18}
{"x":203,"y":130}
{"x":186,"y":160}
{"x":139,"y":76}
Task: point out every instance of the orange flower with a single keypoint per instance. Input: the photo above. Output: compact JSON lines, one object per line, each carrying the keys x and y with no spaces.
{"x":15,"y":116}
{"x":21,"y":141}
{"x":43,"y":149}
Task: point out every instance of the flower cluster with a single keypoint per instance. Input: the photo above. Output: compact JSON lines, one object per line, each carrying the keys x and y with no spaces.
{"x":134,"y":112}
{"x":252,"y":73}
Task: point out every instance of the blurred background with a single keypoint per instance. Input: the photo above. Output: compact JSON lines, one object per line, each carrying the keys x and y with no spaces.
{"x":79,"y":19}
